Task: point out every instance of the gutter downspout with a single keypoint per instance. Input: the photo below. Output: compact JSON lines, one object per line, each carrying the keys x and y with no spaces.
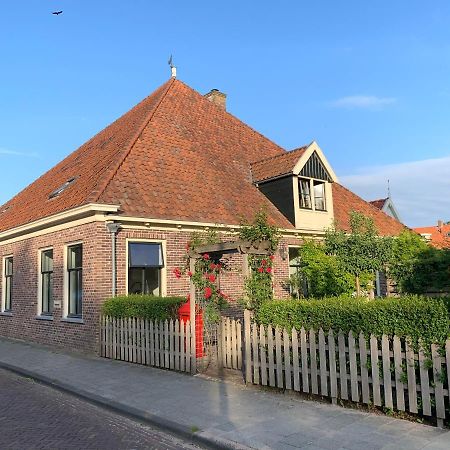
{"x":113,"y":228}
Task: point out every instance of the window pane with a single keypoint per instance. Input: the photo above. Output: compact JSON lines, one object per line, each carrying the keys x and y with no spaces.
{"x":74,"y":257}
{"x":305,"y":194}
{"x":75,"y":292}
{"x":8,"y":294}
{"x":47,"y":261}
{"x":47,"y":293}
{"x":144,"y":281}
{"x":319,"y":195}
{"x":145,"y":255}
{"x":9,"y":266}
{"x":294,"y":258}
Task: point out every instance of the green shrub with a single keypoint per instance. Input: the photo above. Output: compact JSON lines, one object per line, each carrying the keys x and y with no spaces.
{"x":413,"y":316}
{"x":446,"y":301}
{"x":143,"y":306}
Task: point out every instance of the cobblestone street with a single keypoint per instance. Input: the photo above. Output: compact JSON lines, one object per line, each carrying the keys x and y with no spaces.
{"x":34,"y":416}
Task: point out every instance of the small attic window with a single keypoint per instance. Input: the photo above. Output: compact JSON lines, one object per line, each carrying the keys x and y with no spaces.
{"x":62,"y":188}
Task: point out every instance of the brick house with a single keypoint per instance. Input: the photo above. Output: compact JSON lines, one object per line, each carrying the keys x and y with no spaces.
{"x":115,"y":215}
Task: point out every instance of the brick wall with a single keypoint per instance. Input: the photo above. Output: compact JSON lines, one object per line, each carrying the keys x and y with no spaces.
{"x":23,"y":323}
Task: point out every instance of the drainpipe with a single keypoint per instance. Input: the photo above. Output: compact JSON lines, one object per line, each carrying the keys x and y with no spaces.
{"x":113,"y":228}
{"x":378,"y":284}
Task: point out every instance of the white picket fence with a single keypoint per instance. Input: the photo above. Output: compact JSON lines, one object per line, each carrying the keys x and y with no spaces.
{"x":229,"y":343}
{"x":375,"y":371}
{"x":165,"y":344}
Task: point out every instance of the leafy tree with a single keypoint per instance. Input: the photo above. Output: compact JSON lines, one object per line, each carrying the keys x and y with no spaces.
{"x":321,"y":275}
{"x":418,"y":267}
{"x":362,"y":250}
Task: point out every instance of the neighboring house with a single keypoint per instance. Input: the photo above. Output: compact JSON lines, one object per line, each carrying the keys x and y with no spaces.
{"x":115,"y":215}
{"x":438,"y":236}
{"x":387,"y":206}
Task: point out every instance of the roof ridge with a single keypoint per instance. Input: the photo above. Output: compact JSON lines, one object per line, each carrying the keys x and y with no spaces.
{"x":286,"y":152}
{"x":133,"y":141}
{"x":237,"y":118}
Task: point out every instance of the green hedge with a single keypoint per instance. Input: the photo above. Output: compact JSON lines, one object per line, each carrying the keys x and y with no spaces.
{"x":413,"y":316}
{"x":143,"y":306}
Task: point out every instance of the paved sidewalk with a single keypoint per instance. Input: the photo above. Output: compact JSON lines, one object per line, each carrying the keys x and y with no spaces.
{"x":221,"y":414}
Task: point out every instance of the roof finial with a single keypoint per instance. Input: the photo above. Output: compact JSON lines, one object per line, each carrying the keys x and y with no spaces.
{"x":173,"y":69}
{"x":389,"y":189}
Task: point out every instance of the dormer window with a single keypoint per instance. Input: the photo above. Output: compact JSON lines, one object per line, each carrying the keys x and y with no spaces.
{"x":312,"y":192}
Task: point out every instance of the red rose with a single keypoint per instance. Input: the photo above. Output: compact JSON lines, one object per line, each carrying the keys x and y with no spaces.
{"x":212,"y":278}
{"x":212,"y":266}
{"x":189,"y":273}
{"x":218,"y":266}
{"x":264,"y":262}
{"x":206,"y":256}
{"x":208,"y":292}
{"x":272,"y":257}
{"x":269,"y":270}
{"x":260,"y":269}
{"x":177,"y":272}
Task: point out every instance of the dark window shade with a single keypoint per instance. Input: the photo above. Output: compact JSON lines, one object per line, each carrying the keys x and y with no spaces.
{"x":144,"y":254}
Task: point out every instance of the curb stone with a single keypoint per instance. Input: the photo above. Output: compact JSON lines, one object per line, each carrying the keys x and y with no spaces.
{"x":200,"y":437}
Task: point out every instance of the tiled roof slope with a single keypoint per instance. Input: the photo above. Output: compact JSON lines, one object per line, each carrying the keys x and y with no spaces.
{"x":192,"y":162}
{"x":92,"y":163}
{"x":440,"y":235}
{"x":276,"y":165}
{"x":378,"y":203}
{"x":175,"y":155}
{"x":345,"y":201}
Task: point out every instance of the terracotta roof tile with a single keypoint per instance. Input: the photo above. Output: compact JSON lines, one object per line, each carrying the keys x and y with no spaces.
{"x":93,"y":164}
{"x":440,"y":236}
{"x":175,"y":155}
{"x":378,"y":203}
{"x":276,"y":165}
{"x":345,"y":201}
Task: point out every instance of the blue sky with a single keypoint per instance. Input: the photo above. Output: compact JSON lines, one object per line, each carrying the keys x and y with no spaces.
{"x":370,"y":81}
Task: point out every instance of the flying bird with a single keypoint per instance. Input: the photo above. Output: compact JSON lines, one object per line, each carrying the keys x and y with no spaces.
{"x":57,"y":13}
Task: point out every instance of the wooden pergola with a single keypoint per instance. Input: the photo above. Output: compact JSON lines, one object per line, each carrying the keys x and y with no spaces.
{"x":242,"y":247}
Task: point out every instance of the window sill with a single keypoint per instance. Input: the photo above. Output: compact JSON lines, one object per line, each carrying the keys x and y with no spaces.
{"x":72,"y":320}
{"x":6,"y":313}
{"x":44,"y":317}
{"x":318,"y":211}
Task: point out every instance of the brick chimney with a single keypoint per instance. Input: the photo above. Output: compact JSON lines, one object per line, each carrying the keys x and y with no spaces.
{"x":218,"y":98}
{"x":440,"y":224}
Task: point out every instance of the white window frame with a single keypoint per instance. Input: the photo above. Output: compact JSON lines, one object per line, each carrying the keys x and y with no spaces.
{"x":163,"y":243}
{"x":39,"y":283}
{"x":66,"y":285}
{"x":312,"y":197}
{"x":3,"y":305}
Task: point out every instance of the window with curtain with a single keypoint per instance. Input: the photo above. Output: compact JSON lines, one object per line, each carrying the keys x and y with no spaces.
{"x":305,"y":193}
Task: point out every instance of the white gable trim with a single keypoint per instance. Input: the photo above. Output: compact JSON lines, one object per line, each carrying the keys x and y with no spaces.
{"x":314,"y":147}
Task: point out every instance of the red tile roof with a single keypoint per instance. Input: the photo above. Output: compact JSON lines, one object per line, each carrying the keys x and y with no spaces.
{"x":378,"y":203}
{"x":175,"y":155}
{"x":276,"y":166}
{"x":440,"y":235}
{"x":345,"y":201}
